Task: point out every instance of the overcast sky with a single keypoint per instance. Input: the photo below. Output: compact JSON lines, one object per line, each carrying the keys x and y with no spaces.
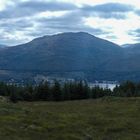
{"x":115,"y":20}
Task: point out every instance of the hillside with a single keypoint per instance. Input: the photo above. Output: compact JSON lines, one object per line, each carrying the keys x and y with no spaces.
{"x":67,"y":54}
{"x":129,"y":61}
{"x":3,"y":46}
{"x":62,"y":52}
{"x":73,"y":55}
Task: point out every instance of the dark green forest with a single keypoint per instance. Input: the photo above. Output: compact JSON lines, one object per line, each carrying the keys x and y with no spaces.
{"x":68,"y":91}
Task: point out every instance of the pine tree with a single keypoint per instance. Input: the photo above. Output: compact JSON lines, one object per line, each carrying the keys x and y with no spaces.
{"x":56,"y":91}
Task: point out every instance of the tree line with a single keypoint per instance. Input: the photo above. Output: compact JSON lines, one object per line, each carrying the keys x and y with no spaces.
{"x":68,"y":91}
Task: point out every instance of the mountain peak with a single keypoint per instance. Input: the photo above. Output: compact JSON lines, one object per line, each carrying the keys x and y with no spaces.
{"x":64,"y":34}
{"x":74,"y":33}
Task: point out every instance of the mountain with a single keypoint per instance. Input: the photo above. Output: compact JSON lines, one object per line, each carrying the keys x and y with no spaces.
{"x":126,"y":45}
{"x":132,"y":54}
{"x":131,"y":45}
{"x":2,"y":46}
{"x":61,"y":52}
{"x":74,"y":55}
{"x":134,"y":48}
{"x":127,"y":67}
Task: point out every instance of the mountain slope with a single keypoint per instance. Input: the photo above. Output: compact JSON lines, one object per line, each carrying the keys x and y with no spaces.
{"x":3,"y":46}
{"x":63,"y":52}
{"x":133,"y":48}
{"x":129,"y":61}
{"x":72,"y":55}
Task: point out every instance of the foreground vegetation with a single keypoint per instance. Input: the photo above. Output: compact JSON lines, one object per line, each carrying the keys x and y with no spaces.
{"x":112,"y":115}
{"x":107,"y":118}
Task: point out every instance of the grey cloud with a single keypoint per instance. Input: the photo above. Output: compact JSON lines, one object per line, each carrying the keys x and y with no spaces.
{"x":135,"y":34}
{"x":69,"y":22}
{"x":108,"y":10}
{"x":29,"y":8}
{"x":137,"y":12}
{"x":109,"y":7}
{"x":50,"y":6}
{"x":111,"y":37}
{"x":15,"y":25}
{"x":14,"y":18}
{"x":4,"y":39}
{"x":110,"y":15}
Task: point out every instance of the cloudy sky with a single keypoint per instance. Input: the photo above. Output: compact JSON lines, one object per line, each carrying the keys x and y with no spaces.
{"x":115,"y":20}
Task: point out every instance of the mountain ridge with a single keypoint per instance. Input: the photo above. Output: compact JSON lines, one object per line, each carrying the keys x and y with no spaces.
{"x":72,"y":54}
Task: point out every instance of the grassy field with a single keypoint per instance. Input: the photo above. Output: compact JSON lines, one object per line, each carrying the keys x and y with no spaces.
{"x":103,"y":119}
